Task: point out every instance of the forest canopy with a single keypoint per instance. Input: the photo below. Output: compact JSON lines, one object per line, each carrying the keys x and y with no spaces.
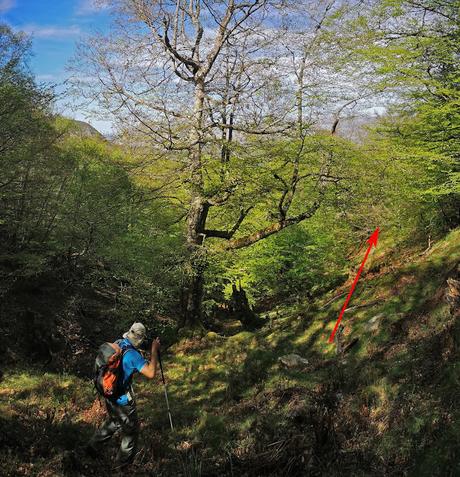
{"x":254,"y":145}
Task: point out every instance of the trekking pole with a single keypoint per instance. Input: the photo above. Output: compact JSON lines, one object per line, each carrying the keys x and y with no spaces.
{"x":166,"y":392}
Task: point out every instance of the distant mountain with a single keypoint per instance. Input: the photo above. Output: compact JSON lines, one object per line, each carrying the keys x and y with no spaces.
{"x":82,"y":129}
{"x":85,"y":129}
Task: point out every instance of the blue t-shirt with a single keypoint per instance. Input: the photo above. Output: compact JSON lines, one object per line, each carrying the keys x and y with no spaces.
{"x":133,"y":362}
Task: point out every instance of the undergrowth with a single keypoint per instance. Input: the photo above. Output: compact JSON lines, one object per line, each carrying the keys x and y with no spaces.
{"x":388,"y":407}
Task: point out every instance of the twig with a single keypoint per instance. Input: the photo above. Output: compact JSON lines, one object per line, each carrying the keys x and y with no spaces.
{"x":364,"y":305}
{"x":332,"y":300}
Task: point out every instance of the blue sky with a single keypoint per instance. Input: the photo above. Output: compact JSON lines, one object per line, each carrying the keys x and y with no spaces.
{"x":55,"y":27}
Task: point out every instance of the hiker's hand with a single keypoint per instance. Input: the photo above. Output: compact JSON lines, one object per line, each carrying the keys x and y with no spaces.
{"x":155,"y":345}
{"x":150,"y":369}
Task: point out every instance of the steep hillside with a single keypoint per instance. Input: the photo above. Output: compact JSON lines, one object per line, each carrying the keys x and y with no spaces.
{"x":389,"y":405}
{"x":81,"y":129}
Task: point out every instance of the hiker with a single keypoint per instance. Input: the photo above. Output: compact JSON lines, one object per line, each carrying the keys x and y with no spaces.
{"x":121,"y":408}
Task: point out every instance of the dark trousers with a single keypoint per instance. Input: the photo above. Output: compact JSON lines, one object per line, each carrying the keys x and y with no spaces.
{"x":119,"y":417}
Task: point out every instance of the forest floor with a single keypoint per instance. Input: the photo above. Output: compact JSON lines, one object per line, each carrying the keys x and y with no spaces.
{"x":390,"y":406}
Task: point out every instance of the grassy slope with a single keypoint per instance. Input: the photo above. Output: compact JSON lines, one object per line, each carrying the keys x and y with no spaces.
{"x":390,"y":407}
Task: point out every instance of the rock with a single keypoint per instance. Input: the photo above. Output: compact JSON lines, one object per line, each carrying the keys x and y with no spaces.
{"x":232,"y":327}
{"x":211,"y":337}
{"x":374,"y":323}
{"x":293,"y":361}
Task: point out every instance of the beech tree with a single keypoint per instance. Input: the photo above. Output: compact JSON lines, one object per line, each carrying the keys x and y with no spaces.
{"x":202,"y":87}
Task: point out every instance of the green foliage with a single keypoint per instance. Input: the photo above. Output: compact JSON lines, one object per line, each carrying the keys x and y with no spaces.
{"x":415,"y":49}
{"x":296,"y":262}
{"x":307,"y":258}
{"x":212,"y":430}
{"x":67,"y":196}
{"x":23,"y":104}
{"x":397,"y":396}
{"x":95,"y":206}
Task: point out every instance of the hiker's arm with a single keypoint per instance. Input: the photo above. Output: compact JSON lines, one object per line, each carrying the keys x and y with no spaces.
{"x":149,"y":370}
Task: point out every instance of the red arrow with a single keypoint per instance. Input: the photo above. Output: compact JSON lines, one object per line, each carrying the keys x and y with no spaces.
{"x":372,"y":241}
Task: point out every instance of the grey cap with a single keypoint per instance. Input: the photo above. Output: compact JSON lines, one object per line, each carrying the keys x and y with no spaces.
{"x":136,"y":334}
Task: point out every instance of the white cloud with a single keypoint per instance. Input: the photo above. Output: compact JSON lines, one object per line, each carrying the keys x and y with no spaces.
{"x":46,"y":77}
{"x":88,"y":7}
{"x":7,"y":5}
{"x":40,"y":31}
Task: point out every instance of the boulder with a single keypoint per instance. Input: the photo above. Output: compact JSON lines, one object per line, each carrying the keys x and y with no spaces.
{"x":373,"y":325}
{"x":293,"y":361}
{"x":211,"y":336}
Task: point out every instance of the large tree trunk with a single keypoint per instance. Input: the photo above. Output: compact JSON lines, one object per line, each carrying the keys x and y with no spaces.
{"x":194,"y":292}
{"x":197,"y":261}
{"x":197,"y":215}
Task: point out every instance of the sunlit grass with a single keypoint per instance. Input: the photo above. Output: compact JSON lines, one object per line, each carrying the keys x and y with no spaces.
{"x":209,"y":377}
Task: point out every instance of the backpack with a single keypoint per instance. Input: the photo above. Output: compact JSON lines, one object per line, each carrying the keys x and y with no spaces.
{"x":108,"y":370}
